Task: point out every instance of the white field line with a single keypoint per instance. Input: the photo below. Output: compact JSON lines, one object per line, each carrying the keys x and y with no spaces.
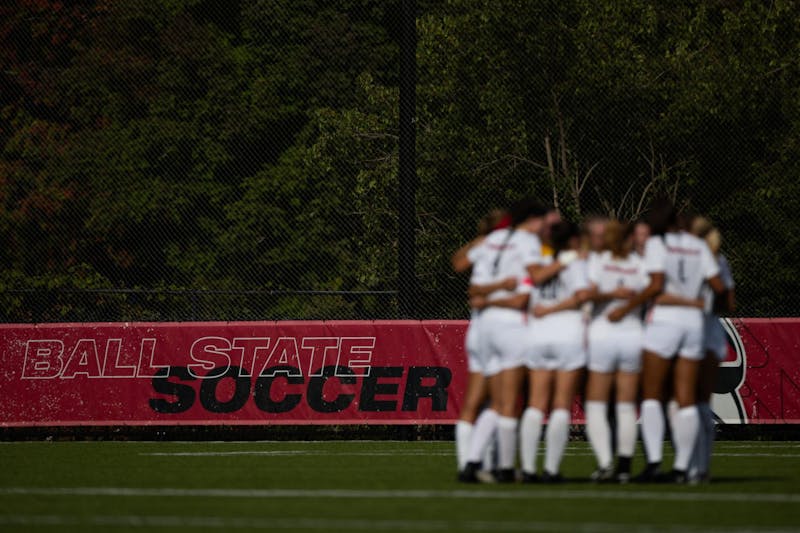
{"x":300,"y":453}
{"x":394,"y":453}
{"x":689,"y":496}
{"x":227,"y":523}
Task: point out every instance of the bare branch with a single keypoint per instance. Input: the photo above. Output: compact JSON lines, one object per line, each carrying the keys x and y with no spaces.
{"x":551,"y":168}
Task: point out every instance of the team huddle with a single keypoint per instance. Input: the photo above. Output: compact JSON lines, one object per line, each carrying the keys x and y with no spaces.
{"x":621,"y":313}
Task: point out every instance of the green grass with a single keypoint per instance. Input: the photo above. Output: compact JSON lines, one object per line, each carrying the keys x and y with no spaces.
{"x":368,"y":486}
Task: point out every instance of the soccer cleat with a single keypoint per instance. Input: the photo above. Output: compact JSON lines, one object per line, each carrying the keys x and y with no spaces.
{"x":702,"y":478}
{"x":470,"y":473}
{"x":505,"y":475}
{"x":528,"y":477}
{"x":485,"y":476}
{"x":650,"y":474}
{"x":547,"y":477}
{"x":603,"y":475}
{"x":677,"y":477}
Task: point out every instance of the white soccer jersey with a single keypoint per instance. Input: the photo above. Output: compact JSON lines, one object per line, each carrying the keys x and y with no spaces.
{"x":501,"y":333}
{"x":557,"y":340}
{"x":570,"y":280}
{"x":480,"y":275}
{"x":686,"y":262}
{"x":608,"y":273}
{"x":507,"y":253}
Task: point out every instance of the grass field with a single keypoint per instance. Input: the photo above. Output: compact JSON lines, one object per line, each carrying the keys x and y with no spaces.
{"x":369,"y":486}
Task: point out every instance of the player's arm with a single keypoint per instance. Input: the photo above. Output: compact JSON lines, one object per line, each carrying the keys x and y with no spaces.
{"x":673,"y":299}
{"x":653,"y":289}
{"x":541,"y":274}
{"x":620,"y":293}
{"x":731,"y":300}
{"x":572,"y":303}
{"x":722,"y":297}
{"x":508,"y":284}
{"x":460,"y":259}
{"x":516,"y":301}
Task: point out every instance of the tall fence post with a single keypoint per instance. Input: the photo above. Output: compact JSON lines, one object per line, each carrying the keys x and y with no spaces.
{"x":407,"y":290}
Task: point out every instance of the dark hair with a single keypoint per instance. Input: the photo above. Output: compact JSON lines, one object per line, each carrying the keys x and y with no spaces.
{"x":661,"y":215}
{"x":490,"y":220}
{"x":524,"y":209}
{"x":561,"y":233}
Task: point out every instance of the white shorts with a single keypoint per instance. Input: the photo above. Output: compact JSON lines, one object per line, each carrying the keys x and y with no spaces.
{"x":668,"y":339}
{"x":502,"y":336}
{"x":557,"y":342}
{"x":716,"y":339}
{"x":614,"y":347}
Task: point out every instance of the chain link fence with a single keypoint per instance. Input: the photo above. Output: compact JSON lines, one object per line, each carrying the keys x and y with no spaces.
{"x":230,"y":160}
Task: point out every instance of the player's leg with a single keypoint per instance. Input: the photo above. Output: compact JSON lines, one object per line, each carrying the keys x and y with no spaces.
{"x":541,"y":383}
{"x":655,"y":370}
{"x":687,"y":419}
{"x":602,"y":352}
{"x":627,"y":381}
{"x":627,"y":385}
{"x":709,"y":370}
{"x":598,"y":429}
{"x":686,"y":375}
{"x":511,"y":383}
{"x":557,"y":433}
{"x":474,"y":399}
{"x":483,"y":431}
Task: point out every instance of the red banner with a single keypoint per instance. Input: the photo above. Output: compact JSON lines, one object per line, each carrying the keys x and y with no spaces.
{"x":382,"y":372}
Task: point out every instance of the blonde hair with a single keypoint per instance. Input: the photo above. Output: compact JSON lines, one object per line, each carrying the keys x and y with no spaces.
{"x":703,"y":228}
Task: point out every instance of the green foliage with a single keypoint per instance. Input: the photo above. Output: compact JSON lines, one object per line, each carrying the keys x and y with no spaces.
{"x":198,"y":146}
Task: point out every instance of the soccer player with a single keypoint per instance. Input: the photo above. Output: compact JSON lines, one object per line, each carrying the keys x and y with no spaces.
{"x":615,"y":351}
{"x":480,"y":282}
{"x":556,"y":355}
{"x":678,"y":263}
{"x":716,"y":345}
{"x":508,"y":252}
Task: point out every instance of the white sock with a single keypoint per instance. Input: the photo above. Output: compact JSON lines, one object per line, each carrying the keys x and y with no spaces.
{"x":598,"y":430}
{"x":530,"y":431}
{"x":463,"y":434}
{"x":506,"y":442}
{"x":687,"y":425}
{"x":556,"y":437}
{"x":482,"y":432}
{"x":653,"y":430}
{"x":672,"y":412}
{"x":626,"y":429}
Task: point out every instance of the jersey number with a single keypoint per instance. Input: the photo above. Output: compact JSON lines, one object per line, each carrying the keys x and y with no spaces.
{"x":549,"y":290}
{"x":682,"y":270}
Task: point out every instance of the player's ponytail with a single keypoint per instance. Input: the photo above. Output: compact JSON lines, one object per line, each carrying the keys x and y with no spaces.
{"x":661,"y":216}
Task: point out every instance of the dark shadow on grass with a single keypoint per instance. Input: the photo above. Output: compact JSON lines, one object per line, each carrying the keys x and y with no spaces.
{"x":716,"y":480}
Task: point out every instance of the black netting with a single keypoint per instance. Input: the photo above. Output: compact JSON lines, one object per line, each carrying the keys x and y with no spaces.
{"x":231,"y":160}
